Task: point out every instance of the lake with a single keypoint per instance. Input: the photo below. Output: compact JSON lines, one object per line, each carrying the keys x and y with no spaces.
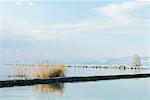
{"x":123,"y":89}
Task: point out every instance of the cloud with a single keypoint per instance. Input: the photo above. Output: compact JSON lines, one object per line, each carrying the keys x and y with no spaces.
{"x":120,"y":11}
{"x":117,"y":26}
{"x":119,"y":19}
{"x":29,"y":2}
{"x":127,"y":17}
{"x":33,"y":32}
{"x":114,"y":9}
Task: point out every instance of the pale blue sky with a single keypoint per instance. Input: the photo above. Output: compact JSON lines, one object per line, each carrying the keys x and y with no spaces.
{"x":64,"y":31}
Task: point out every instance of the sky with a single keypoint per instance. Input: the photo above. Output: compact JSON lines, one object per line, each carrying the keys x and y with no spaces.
{"x":66,"y":31}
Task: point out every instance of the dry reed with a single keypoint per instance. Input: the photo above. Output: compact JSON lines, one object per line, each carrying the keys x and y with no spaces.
{"x":48,"y":71}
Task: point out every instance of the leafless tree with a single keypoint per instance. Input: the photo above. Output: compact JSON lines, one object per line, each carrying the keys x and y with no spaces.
{"x":136,"y":61}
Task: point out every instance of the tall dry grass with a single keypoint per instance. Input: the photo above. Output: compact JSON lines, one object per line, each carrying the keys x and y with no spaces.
{"x":48,"y":71}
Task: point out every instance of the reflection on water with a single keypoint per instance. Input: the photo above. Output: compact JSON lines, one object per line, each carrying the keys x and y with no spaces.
{"x":50,"y":88}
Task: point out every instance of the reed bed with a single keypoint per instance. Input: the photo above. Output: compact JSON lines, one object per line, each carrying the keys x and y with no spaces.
{"x":49,"y":71}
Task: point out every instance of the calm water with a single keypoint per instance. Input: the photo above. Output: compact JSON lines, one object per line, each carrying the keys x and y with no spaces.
{"x":123,"y":89}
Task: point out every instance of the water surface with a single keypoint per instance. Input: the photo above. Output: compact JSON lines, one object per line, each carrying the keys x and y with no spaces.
{"x":123,"y":89}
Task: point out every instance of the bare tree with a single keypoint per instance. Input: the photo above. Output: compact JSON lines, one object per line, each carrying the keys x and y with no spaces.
{"x":136,"y":61}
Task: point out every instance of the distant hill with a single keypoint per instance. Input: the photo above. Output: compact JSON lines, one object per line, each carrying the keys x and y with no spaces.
{"x":120,"y":61}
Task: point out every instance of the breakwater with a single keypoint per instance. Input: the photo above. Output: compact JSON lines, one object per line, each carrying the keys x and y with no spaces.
{"x":11,"y":83}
